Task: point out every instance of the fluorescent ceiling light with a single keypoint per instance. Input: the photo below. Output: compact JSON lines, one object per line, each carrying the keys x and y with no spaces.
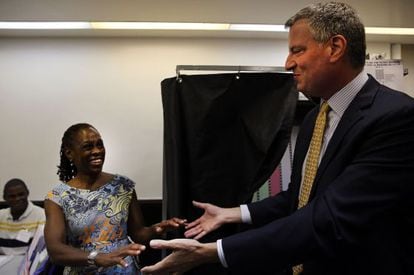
{"x":258,"y":28}
{"x":158,"y":26}
{"x":174,"y":26}
{"x":390,"y":31}
{"x":44,"y":25}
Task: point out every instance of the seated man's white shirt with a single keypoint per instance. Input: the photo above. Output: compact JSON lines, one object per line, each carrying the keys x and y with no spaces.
{"x":16,"y":235}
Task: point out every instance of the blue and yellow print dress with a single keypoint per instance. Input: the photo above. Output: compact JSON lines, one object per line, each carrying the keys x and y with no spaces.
{"x":97,"y":220}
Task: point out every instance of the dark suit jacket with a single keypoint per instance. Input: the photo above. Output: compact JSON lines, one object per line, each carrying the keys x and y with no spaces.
{"x":360,"y":217}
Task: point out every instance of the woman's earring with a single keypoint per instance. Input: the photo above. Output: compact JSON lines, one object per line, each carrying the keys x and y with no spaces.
{"x":72,"y":166}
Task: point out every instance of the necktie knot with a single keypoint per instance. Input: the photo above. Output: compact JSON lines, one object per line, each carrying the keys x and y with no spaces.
{"x":324,"y":107}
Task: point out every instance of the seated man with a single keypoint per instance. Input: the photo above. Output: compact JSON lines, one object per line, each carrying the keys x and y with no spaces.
{"x":19,"y":222}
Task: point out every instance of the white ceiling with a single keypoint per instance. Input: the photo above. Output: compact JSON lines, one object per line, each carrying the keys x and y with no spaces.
{"x":374,"y":13}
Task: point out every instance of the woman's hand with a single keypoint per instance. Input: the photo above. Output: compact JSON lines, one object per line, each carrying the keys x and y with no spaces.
{"x":117,"y":257}
{"x":168,"y":225}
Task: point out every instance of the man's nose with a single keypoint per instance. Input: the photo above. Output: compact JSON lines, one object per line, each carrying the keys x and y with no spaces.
{"x":289,"y":64}
{"x":20,"y":197}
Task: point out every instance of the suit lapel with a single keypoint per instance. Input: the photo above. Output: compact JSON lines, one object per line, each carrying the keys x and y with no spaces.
{"x":306,"y":132}
{"x":354,"y":113}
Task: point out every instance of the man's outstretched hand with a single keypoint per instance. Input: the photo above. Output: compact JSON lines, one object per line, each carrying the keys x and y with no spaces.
{"x":186,"y":254}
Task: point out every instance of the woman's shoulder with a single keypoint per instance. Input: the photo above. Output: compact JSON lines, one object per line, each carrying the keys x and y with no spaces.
{"x":59,"y":187}
{"x":123,"y":180}
{"x":57,"y":190}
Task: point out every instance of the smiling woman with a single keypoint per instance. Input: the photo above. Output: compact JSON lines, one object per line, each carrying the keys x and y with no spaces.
{"x":91,"y":214}
{"x":82,"y":152}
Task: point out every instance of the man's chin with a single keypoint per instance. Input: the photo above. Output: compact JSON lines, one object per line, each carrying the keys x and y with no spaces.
{"x":20,"y":207}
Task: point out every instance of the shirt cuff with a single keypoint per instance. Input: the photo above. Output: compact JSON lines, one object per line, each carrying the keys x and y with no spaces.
{"x":220,"y":253}
{"x":245,"y":214}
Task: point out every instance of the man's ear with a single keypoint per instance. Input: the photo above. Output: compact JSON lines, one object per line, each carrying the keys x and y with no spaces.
{"x":338,"y":45}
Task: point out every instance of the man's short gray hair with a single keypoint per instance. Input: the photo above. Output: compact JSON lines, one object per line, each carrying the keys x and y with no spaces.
{"x":333,"y":18}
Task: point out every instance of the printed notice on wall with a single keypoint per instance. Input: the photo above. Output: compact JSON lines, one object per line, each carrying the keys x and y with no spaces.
{"x":388,"y":72}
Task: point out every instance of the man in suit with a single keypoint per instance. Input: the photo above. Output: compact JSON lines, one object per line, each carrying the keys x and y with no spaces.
{"x":356,"y":216}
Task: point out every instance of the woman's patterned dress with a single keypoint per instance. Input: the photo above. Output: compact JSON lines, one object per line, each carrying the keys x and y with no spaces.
{"x":97,"y":220}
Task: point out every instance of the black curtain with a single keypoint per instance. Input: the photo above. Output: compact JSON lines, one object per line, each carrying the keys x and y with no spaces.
{"x":224,"y":134}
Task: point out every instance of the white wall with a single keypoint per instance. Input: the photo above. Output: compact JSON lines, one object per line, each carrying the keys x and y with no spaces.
{"x":379,"y":48}
{"x":48,"y":84}
{"x":407,"y":55}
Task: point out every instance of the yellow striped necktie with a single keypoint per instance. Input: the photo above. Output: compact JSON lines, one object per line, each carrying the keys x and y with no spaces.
{"x":312,"y":162}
